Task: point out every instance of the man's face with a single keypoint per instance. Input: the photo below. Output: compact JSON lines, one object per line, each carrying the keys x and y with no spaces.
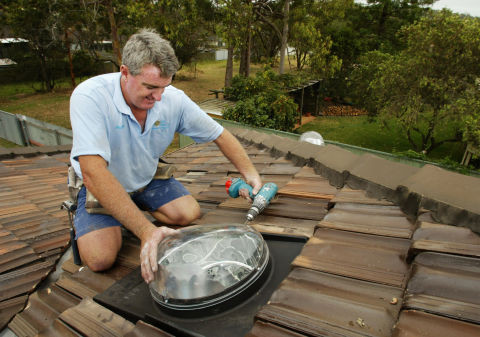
{"x":143,"y":90}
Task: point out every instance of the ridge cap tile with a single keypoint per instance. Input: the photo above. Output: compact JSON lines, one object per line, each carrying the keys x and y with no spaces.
{"x":451,"y":188}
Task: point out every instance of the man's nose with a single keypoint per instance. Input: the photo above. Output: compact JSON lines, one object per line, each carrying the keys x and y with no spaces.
{"x":157,"y":93}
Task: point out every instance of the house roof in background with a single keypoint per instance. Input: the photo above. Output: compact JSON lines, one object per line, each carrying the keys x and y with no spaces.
{"x":390,"y":248}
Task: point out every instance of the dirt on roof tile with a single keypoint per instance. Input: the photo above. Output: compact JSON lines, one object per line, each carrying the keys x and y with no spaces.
{"x":322,"y":304}
{"x":445,"y":239}
{"x":363,"y":256}
{"x":446,"y":285}
{"x":414,"y":323}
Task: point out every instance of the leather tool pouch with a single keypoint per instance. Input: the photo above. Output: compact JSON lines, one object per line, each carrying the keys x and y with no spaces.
{"x":164,"y":170}
{"x":92,"y":205}
{"x":74,"y":184}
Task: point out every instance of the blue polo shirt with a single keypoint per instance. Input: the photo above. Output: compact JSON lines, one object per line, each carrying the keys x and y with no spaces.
{"x":104,"y":125}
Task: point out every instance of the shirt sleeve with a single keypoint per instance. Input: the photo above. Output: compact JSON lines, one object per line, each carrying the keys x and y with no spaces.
{"x":196,"y":124}
{"x":89,"y":127}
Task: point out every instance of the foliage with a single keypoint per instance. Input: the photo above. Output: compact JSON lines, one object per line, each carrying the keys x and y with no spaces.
{"x":84,"y":64}
{"x":265,"y":80}
{"x":267,"y":109}
{"x":42,"y":23}
{"x":363,"y":73}
{"x":312,"y":47}
{"x":421,"y":86}
{"x":388,"y":16}
{"x":184,"y":23}
{"x":261,"y":100}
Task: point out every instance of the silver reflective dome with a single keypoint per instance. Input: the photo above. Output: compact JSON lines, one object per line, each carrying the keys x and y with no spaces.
{"x":204,"y":265}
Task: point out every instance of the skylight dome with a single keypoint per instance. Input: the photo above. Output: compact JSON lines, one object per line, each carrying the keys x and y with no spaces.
{"x":208,"y":264}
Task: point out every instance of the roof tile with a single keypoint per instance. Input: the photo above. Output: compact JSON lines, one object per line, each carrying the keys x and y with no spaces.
{"x":91,"y":319}
{"x":263,"y":329}
{"x":42,"y":309}
{"x":363,"y":256}
{"x":378,"y":176}
{"x":368,"y":220}
{"x":446,"y":285}
{"x":414,"y":323}
{"x":317,"y":303}
{"x":332,"y":162}
{"x":445,"y":239}
{"x":454,"y":197}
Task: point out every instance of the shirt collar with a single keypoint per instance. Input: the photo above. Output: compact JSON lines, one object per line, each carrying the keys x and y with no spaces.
{"x":119,"y":100}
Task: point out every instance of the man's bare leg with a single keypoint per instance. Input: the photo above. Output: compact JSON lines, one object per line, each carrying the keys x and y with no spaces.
{"x":98,"y":249}
{"x":181,"y":211}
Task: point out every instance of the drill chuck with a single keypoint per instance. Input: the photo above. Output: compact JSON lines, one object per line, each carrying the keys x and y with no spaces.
{"x":260,"y":200}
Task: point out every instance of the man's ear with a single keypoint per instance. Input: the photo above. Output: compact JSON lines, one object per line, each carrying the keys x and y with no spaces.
{"x":124,"y":70}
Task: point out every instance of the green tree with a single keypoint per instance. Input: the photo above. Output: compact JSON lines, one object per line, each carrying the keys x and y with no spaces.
{"x":390,"y":15}
{"x":233,"y":17}
{"x":430,"y":83}
{"x":42,"y":23}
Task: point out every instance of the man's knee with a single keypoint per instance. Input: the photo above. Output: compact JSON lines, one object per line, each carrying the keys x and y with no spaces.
{"x":97,"y":264}
{"x":99,"y":249}
{"x":182,"y":211}
{"x":189,"y":215}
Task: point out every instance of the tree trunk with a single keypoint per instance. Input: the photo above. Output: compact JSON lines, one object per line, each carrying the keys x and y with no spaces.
{"x":245,"y":54}
{"x":284,"y":37}
{"x":70,"y":60}
{"x":114,"y":34}
{"x":229,"y":68}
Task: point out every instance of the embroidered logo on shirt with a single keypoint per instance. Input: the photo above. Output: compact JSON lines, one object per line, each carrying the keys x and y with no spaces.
{"x":162,"y":125}
{"x":120,"y":126}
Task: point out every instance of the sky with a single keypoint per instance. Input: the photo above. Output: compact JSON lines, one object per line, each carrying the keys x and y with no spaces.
{"x":471,"y":7}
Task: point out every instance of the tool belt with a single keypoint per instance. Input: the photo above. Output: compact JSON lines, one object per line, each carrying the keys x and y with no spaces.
{"x":92,"y":205}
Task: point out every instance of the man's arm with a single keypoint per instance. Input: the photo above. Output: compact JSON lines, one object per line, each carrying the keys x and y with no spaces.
{"x":113,"y":197}
{"x":234,"y":151}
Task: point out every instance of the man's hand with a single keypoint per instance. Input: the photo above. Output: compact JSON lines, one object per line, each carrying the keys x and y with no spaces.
{"x":149,"y":249}
{"x":256,"y":184}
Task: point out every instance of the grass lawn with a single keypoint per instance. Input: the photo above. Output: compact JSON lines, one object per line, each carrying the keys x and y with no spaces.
{"x":361,"y":132}
{"x":24,"y":99}
{"x":196,"y":81}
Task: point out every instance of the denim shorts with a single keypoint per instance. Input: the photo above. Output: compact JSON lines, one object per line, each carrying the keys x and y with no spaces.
{"x":156,"y":194}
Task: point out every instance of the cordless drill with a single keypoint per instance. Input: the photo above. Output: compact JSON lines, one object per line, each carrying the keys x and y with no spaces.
{"x":260,"y":200}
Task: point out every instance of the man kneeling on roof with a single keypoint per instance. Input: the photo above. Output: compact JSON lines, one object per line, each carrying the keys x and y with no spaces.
{"x":122,"y":123}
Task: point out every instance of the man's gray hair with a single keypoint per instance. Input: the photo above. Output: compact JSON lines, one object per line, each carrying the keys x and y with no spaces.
{"x":148,"y":47}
